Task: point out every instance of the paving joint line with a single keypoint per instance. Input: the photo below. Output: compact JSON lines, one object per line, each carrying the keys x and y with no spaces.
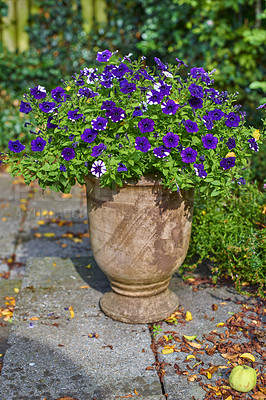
{"x":157,"y":363}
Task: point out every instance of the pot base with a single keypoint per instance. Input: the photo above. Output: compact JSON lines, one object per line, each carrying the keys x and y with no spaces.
{"x":139,"y":310}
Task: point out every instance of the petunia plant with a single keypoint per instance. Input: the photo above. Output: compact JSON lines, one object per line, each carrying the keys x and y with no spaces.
{"x":123,"y":120}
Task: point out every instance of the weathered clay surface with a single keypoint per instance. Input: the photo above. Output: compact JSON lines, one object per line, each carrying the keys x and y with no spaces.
{"x":139,"y":236}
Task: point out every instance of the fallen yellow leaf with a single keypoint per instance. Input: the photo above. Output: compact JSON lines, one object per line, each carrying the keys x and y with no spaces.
{"x":189,"y":316}
{"x":229,"y":397}
{"x":166,"y":337}
{"x":209,"y":375}
{"x":85,"y":287}
{"x":77,"y":240}
{"x":190,"y":356}
{"x":4,"y":219}
{"x":38,"y":235}
{"x":54,"y":264}
{"x":167,"y":351}
{"x":249,"y":356}
{"x":41,"y":222}
{"x":136,"y":392}
{"x":49,"y":234}
{"x":220,"y":324}
{"x":34,"y":319}
{"x":16,"y":290}
{"x":190,"y":337}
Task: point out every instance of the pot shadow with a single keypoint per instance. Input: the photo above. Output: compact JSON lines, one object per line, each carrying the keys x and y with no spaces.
{"x":33,"y":370}
{"x":90,"y":272}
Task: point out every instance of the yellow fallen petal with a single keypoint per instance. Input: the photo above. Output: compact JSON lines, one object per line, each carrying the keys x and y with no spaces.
{"x":167,"y":351}
{"x":190,"y":357}
{"x":220,"y":324}
{"x":189,"y":316}
{"x":209,"y":375}
{"x":71,"y":312}
{"x":190,"y":337}
{"x":248,"y":356}
{"x":166,"y":337}
{"x":41,"y":222}
{"x":16,"y":290}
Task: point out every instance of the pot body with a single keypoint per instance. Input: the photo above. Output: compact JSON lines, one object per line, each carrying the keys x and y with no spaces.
{"x":139,"y":236}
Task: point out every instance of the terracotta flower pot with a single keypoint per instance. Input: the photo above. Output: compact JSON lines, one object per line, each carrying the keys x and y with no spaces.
{"x":139,"y":236}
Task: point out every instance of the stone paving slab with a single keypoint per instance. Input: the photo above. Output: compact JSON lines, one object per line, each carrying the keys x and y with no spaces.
{"x":52,"y":357}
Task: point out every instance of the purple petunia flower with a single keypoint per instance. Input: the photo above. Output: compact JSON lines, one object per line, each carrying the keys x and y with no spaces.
{"x":58,"y":94}
{"x":15,"y":146}
{"x":154,"y":97}
{"x":120,"y":70}
{"x":104,"y":56}
{"x":241,"y":181}
{"x":50,"y":125}
{"x":73,"y":115}
{"x":25,"y":107}
{"x":202,"y":158}
{"x":207,"y":122}
{"x":189,"y":155}
{"x":180,"y":63}
{"x":142,"y":144}
{"x":253,"y":144}
{"x":145,"y":74}
{"x":71,"y":137}
{"x":98,"y":168}
{"x":68,"y":153}
{"x":38,"y":92}
{"x":99,"y":123}
{"x":191,"y":126}
{"x":200,"y":171}
{"x":231,"y":143}
{"x":116,"y":114}
{"x":209,"y":141}
{"x":195,"y":102}
{"x":169,"y":107}
{"x":47,"y":106}
{"x":232,"y":120}
{"x":108,"y":105}
{"x":163,"y":88}
{"x":87,"y":92}
{"x":161,"y":151}
{"x":196,"y":90}
{"x":62,"y":168}
{"x":137,"y":112}
{"x":160,"y":64}
{"x":89,"y":135}
{"x":216,"y":114}
{"x":228,"y":162}
{"x":171,"y":139}
{"x":261,"y":106}
{"x":121,"y":167}
{"x":127,"y":87}
{"x":146,"y":125}
{"x":38,"y":144}
{"x":197,"y":72}
{"x":97,"y":150}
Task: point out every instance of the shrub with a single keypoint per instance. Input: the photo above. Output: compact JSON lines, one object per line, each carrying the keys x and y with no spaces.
{"x":231,"y":234}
